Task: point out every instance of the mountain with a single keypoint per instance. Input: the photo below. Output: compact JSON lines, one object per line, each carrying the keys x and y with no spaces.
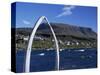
{"x":69,"y":30}
{"x":61,"y":29}
{"x":68,"y":36}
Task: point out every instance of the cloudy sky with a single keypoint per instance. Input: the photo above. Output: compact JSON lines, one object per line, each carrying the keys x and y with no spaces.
{"x":28,"y":13}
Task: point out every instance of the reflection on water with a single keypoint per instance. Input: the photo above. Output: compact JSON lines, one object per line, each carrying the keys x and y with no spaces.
{"x":43,"y":60}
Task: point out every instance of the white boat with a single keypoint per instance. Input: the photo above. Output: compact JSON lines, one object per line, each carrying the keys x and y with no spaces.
{"x":49,"y":49}
{"x":61,"y":49}
{"x":81,"y":50}
{"x":42,"y":54}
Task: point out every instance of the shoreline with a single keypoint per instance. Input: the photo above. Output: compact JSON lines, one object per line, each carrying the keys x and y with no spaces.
{"x":61,"y":49}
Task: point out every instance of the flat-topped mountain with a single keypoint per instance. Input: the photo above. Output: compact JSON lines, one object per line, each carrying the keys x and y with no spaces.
{"x":61,"y":30}
{"x":68,"y":36}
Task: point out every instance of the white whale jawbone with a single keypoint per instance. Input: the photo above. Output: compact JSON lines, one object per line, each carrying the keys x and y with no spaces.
{"x":57,"y":46}
{"x":29,"y":48}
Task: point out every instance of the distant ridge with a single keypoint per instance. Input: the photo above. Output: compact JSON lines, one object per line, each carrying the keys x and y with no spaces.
{"x":62,"y":29}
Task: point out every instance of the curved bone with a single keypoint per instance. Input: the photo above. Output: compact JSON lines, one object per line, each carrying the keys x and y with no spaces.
{"x":29,"y":48}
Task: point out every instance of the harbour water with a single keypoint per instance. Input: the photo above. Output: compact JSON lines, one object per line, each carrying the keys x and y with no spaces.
{"x":45,"y":60}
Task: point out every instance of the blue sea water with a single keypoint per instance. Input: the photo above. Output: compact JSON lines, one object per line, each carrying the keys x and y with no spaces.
{"x":43,"y":60}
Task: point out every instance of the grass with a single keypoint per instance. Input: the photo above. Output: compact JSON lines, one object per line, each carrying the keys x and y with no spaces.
{"x":44,"y":44}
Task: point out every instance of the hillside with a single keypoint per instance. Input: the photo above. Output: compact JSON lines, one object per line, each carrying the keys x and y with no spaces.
{"x":61,"y":29}
{"x":69,"y":36}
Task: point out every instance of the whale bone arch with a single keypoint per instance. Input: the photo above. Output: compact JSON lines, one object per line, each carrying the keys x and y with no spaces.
{"x":29,"y":47}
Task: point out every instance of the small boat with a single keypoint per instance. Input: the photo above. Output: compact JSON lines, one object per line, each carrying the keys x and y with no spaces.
{"x":81,"y":50}
{"x":61,"y":49}
{"x":49,"y":49}
{"x":42,"y":54}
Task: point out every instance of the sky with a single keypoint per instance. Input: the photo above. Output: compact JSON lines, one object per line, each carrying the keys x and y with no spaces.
{"x":28,"y":13}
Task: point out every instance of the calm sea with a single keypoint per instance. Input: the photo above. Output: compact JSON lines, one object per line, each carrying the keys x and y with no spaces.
{"x":43,"y":60}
